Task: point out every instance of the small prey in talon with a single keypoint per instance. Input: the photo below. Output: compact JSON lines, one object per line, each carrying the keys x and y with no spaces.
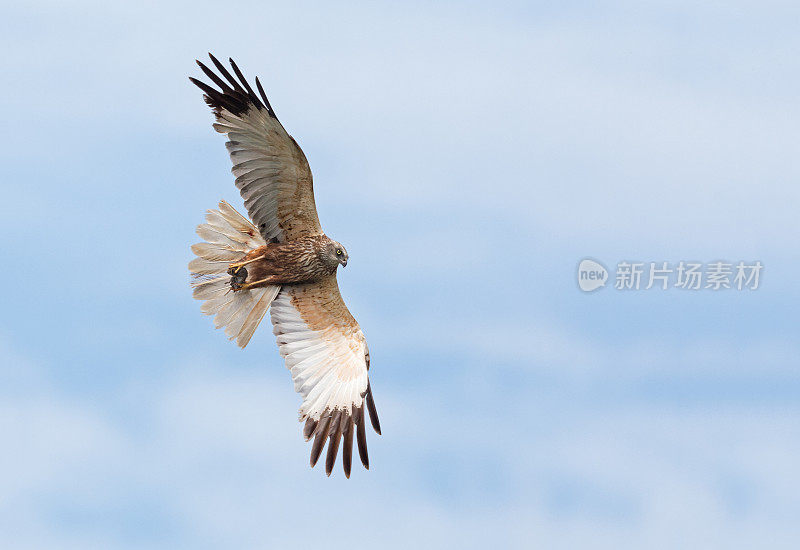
{"x":238,"y":277}
{"x":239,"y":273}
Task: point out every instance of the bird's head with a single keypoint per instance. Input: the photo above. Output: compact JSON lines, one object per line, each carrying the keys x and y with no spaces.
{"x":337,"y":254}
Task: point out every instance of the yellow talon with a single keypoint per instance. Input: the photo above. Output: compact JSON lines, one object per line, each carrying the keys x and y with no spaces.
{"x":237,"y":265}
{"x":252,"y":284}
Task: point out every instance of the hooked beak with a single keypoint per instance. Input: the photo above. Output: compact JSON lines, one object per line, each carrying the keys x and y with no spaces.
{"x":344,"y":262}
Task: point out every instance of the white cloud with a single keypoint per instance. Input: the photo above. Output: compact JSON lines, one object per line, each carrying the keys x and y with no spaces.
{"x":631,"y":129}
{"x":219,"y":450}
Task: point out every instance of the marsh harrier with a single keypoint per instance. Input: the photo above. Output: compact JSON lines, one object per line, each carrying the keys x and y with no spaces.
{"x":281,"y":260}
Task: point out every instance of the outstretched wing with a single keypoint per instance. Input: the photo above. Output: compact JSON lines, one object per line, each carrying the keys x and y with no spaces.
{"x":328,"y":357}
{"x":271,"y":171}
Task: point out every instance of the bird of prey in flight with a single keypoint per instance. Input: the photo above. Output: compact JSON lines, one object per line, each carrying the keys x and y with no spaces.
{"x":281,"y":260}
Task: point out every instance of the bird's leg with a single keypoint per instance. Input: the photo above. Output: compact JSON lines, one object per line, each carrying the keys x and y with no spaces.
{"x":234,"y":267}
{"x":246,"y":286}
{"x":239,"y":272}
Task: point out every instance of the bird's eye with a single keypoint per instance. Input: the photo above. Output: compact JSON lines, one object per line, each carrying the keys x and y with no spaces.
{"x":338,"y":252}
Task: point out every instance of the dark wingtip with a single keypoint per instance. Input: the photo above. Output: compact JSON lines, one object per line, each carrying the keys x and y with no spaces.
{"x":333,"y":442}
{"x":270,"y":110}
{"x":373,"y":412}
{"x":231,"y":96}
{"x":361,"y":438}
{"x":347,"y":442}
{"x":309,"y":428}
{"x":250,"y":93}
{"x":339,"y":428}
{"x":319,"y":440}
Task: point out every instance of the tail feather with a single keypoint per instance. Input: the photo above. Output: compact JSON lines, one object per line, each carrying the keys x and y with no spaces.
{"x":227,"y":237}
{"x":215,"y":253}
{"x":251,"y":321}
{"x":208,"y":289}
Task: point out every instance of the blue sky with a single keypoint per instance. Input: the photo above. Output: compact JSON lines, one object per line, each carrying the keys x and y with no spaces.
{"x":468,"y":158}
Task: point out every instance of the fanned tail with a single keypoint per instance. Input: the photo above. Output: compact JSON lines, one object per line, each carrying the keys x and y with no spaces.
{"x":227,"y":237}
